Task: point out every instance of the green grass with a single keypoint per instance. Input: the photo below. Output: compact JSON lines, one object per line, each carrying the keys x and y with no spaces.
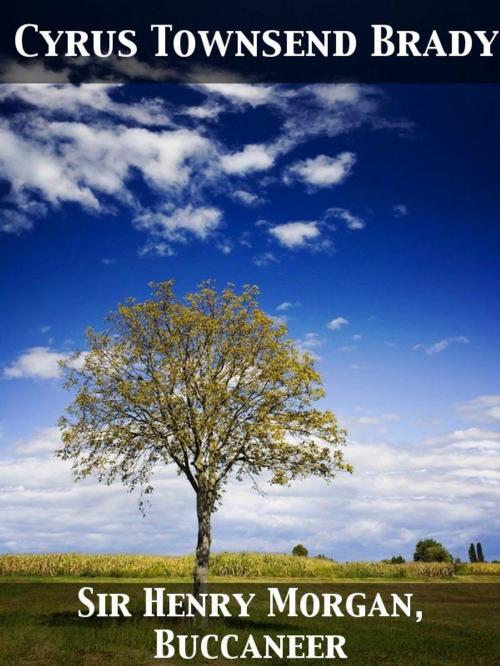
{"x":460,"y":626}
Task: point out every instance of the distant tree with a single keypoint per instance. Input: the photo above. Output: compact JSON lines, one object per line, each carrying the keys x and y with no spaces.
{"x":480,"y":556}
{"x":429,"y":550}
{"x":472,"y":553}
{"x":398,"y":559}
{"x":210,"y":384}
{"x":300,"y":551}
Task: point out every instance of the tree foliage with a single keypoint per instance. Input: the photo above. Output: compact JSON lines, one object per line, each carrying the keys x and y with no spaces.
{"x":211,"y":384}
{"x":429,"y":550}
{"x":479,"y":550}
{"x":300,"y":551}
{"x":472,"y":553}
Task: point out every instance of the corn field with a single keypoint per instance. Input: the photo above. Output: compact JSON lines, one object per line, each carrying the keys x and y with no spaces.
{"x":479,"y":569}
{"x":231,"y":565}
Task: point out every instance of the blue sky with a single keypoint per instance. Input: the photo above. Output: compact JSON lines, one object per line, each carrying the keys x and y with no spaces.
{"x":368,"y":217}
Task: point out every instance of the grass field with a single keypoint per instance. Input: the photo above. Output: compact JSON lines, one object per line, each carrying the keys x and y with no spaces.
{"x":39,"y":623}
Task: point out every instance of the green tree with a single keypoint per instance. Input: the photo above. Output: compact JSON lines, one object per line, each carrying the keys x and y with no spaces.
{"x":300,"y":551}
{"x":472,"y":553}
{"x":210,"y":384}
{"x":480,"y":556}
{"x":429,"y":550}
{"x":397,"y":559}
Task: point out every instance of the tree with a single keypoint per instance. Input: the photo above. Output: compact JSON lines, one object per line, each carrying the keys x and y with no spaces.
{"x":300,"y":551}
{"x":480,"y":556}
{"x":395,"y":559}
{"x":472,"y":553}
{"x":210,"y":384}
{"x":429,"y":550}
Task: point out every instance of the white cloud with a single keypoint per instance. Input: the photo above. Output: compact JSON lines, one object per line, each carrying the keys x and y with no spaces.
{"x":36,"y":363}
{"x":250,"y":159}
{"x":309,"y":343}
{"x":310,"y":340}
{"x":283,"y":307}
{"x":341,"y":93}
{"x":287,"y":305}
{"x":58,"y":160}
{"x":41,"y":363}
{"x":337,"y":323}
{"x":323,"y":171}
{"x":352,"y":222}
{"x":483,"y":409}
{"x":156,"y":248}
{"x":47,"y":512}
{"x":241,"y":93}
{"x":247,"y":198}
{"x":447,"y":488}
{"x":207,"y":111}
{"x":486,"y":439}
{"x":14,"y":221}
{"x":225,"y":246}
{"x":80,"y":101}
{"x":37,"y":168}
{"x":441,"y":345}
{"x":295,"y":234}
{"x":265,"y":259}
{"x":45,"y":441}
{"x":371,"y":419}
{"x":53,"y":141}
{"x":180,"y":224}
{"x":400,"y":210}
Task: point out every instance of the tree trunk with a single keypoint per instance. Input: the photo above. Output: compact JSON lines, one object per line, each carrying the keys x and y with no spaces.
{"x":204,"y":513}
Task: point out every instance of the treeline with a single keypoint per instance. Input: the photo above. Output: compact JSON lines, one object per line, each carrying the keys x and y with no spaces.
{"x":429,"y":550}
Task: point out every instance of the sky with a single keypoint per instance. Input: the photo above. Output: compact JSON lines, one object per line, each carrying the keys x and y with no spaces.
{"x":367,"y":215}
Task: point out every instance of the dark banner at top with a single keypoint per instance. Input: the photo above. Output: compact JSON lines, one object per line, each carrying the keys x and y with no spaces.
{"x":269,"y":42}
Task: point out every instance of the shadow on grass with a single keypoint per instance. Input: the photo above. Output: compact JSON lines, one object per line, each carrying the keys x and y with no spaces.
{"x":247,"y":624}
{"x":244,"y":625}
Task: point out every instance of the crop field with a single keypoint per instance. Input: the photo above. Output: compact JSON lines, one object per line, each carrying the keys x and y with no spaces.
{"x":231,"y":565}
